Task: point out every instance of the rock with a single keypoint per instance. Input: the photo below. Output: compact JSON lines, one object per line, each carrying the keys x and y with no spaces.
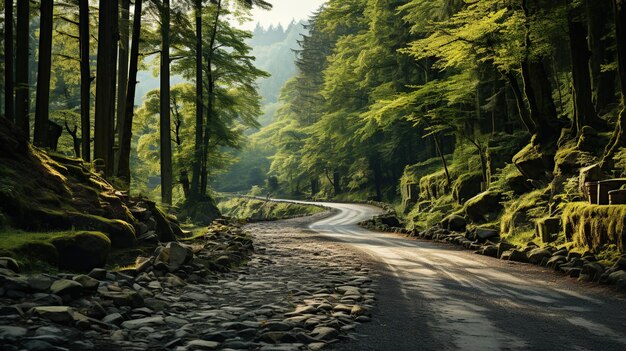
{"x":82,"y":251}
{"x":454,"y":223}
{"x":548,"y":229}
{"x":124,"y":298}
{"x":98,"y":273}
{"x":389,"y":220}
{"x":67,"y":287}
{"x":533,"y":163}
{"x":324,"y":333}
{"x":518,"y":256}
{"x":342,"y":308}
{"x":9,"y":333}
{"x":142,"y":322}
{"x":556,"y":261}
{"x":483,"y":206}
{"x":502,"y":247}
{"x":57,"y":314}
{"x":39,"y":282}
{"x":9,"y":263}
{"x":178,"y":255}
{"x":87,"y":282}
{"x":278,"y":326}
{"x":300,"y":310}
{"x":316,"y":346}
{"x":357,"y":310}
{"x":484,"y":234}
{"x":202,"y":345}
{"x":278,"y":337}
{"x":591,"y":271}
{"x":617,"y":276}
{"x":113,"y":318}
{"x":535,"y":256}
{"x":490,"y":250}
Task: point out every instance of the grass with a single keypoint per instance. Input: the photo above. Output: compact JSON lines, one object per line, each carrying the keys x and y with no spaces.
{"x":254,"y":209}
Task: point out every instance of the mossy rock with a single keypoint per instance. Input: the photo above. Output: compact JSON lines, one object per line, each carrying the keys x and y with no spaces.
{"x":592,"y":227}
{"x":466,"y":186}
{"x":39,"y":250}
{"x":82,"y":251}
{"x":121,"y":234}
{"x":202,"y":211}
{"x":483,"y":206}
{"x":534,"y":163}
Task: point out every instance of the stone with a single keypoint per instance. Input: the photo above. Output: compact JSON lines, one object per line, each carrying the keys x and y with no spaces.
{"x":518,"y":256}
{"x":316,"y":346}
{"x":39,"y":282}
{"x":483,"y":206}
{"x":113,"y":318}
{"x":278,"y":326}
{"x":142,"y":322}
{"x":10,"y":263}
{"x":278,"y":337}
{"x":301,"y":310}
{"x":66,"y":287}
{"x":324,"y":333}
{"x":57,"y":314}
{"x":87,"y":282}
{"x":82,"y":251}
{"x":12,"y":333}
{"x":537,"y":255}
{"x":199,"y":344}
{"x":548,"y":229}
{"x":124,"y":298}
{"x":342,"y":308}
{"x":484,"y":234}
{"x":556,"y":261}
{"x":591,"y":271}
{"x":98,"y":273}
{"x":178,"y":255}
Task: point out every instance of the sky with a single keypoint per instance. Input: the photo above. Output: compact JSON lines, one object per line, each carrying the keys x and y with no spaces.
{"x":283,"y":12}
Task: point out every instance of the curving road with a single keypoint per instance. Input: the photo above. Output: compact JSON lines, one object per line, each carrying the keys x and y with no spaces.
{"x":436,"y":297}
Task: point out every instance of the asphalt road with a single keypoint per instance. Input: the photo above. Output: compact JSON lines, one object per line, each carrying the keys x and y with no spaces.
{"x":436,"y":297}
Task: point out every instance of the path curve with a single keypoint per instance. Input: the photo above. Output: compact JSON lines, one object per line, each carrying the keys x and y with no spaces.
{"x":434,"y":296}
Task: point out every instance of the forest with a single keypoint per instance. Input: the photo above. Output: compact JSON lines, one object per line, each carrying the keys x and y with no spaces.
{"x":168,"y":178}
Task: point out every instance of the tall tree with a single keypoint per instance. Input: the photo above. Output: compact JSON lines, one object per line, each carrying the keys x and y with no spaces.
{"x":42,"y":103}
{"x":165,"y":122}
{"x":9,"y":112}
{"x":122,"y":66}
{"x":22,"y":47}
{"x":106,"y":68}
{"x":123,"y":168}
{"x":198,"y":147}
{"x":85,"y":79}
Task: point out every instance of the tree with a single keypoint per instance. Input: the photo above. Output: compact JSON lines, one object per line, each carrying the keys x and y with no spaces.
{"x":85,"y":79}
{"x":22,"y":85}
{"x":198,"y":148}
{"x":105,"y":90}
{"x":122,"y":66}
{"x":126,"y":132}
{"x":9,"y":112}
{"x":164,"y":121}
{"x":42,"y":106}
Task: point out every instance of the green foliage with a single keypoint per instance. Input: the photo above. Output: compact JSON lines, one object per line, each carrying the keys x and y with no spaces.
{"x":260,"y":210}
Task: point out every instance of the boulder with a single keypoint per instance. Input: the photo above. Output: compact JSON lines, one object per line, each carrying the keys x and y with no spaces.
{"x":454,"y":223}
{"x":483,"y":206}
{"x":537,"y":255}
{"x":39,"y":282}
{"x":503,"y":247}
{"x":178,"y":255}
{"x":548,"y":229}
{"x":57,"y":314}
{"x":87,"y":282}
{"x":556,"y":261}
{"x":484,"y":234}
{"x":10,"y":333}
{"x":82,"y":251}
{"x":518,"y":256}
{"x":9,"y":263}
{"x":66,"y":287}
{"x":534,"y":163}
{"x":466,"y":186}
{"x":390,"y":220}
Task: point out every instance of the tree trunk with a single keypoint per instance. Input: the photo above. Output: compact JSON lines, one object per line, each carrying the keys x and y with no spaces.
{"x":211,"y":102}
{"x":103,"y":148}
{"x":164,"y":127}
{"x":42,"y":102}
{"x":198,"y":154}
{"x":85,"y":79}
{"x":122,"y":73}
{"x":123,"y":169}
{"x":337,"y":182}
{"x":110,"y":161}
{"x":444,"y":163}
{"x":521,"y":104}
{"x":22,"y":87}
{"x":619,"y":136}
{"x":603,"y":83}
{"x":9,"y":112}
{"x":584,"y":110}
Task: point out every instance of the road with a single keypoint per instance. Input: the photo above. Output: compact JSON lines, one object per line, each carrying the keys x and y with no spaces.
{"x":437,"y":297}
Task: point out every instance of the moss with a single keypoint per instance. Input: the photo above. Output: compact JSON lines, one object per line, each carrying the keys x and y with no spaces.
{"x":121,"y":233}
{"x":534,"y":163}
{"x":591,"y":227}
{"x":520,"y":214}
{"x":466,"y":186}
{"x":82,"y":251}
{"x":261,"y":210}
{"x":484,"y":206}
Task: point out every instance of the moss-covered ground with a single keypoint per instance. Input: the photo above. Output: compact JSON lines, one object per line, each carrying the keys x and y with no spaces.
{"x":251,"y":209}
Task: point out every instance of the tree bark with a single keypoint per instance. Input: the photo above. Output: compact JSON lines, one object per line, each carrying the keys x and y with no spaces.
{"x":521,"y":104}
{"x":103,"y":148}
{"x":210,"y":104}
{"x":22,"y":87}
{"x":165,"y":122}
{"x":44,"y":70}
{"x":110,"y":161}
{"x":9,"y":112}
{"x":85,"y":80}
{"x":198,"y":148}
{"x":603,"y":83}
{"x":584,"y":111}
{"x":122,"y":73}
{"x":123,"y":169}
{"x":619,"y":136}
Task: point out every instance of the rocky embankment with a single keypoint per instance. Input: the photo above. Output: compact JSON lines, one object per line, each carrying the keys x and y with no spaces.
{"x":288,"y":295}
{"x":585,"y":267}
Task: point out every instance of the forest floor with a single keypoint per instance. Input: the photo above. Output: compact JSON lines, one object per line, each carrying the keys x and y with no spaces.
{"x":296,"y":292}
